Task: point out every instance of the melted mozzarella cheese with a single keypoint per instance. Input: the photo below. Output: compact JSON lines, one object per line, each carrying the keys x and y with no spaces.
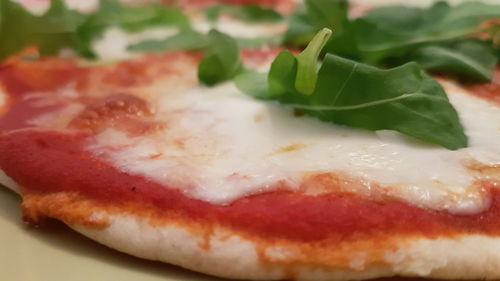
{"x":113,"y":45}
{"x":222,"y":145}
{"x":239,"y":29}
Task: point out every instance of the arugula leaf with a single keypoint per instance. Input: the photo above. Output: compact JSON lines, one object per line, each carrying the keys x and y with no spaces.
{"x":113,"y":13}
{"x":392,"y":31}
{"x":247,"y":13}
{"x":391,"y":35}
{"x":283,"y":70}
{"x":256,"y":42}
{"x":185,"y":40}
{"x":315,"y":15}
{"x":471,"y":58}
{"x":60,"y":27}
{"x":189,"y":39}
{"x":52,"y":31}
{"x":252,"y":83}
{"x":403,"y":99}
{"x":307,"y":62}
{"x":222,"y":60}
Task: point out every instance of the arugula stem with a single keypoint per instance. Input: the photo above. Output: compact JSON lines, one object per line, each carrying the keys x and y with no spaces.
{"x":307,"y":70}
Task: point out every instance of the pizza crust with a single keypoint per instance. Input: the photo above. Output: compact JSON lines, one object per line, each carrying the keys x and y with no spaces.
{"x":224,"y":253}
{"x":178,"y":245}
{"x":465,"y":257}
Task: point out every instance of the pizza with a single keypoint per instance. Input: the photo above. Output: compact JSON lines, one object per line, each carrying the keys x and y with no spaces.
{"x":205,"y":134}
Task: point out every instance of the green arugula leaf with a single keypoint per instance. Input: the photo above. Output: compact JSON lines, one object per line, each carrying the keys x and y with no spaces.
{"x":252,"y":83}
{"x":315,"y":15}
{"x":256,"y":42}
{"x":185,"y":40}
{"x":189,"y":39}
{"x":60,"y":27}
{"x":471,"y":58}
{"x":403,"y":99}
{"x":222,"y":60}
{"x":393,"y":31}
{"x":391,"y":35}
{"x":308,"y":62}
{"x":283,"y":70}
{"x":113,"y":13}
{"x":52,"y":31}
{"x":247,"y":13}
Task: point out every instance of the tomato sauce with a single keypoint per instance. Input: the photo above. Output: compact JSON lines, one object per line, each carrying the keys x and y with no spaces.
{"x":108,"y":92}
{"x":40,"y":76}
{"x":489,"y":91}
{"x":47,"y":162}
{"x":50,"y":162}
{"x":20,"y":114}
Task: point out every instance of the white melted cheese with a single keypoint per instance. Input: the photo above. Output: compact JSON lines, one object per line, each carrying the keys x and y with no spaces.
{"x":113,"y":45}
{"x":221,"y":145}
{"x":240,"y":29}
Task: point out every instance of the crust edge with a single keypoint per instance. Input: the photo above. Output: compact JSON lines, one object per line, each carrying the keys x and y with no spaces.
{"x":235,"y":257}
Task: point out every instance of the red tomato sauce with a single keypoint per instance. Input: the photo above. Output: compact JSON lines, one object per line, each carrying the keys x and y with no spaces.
{"x":45,"y":162}
{"x":20,"y":114}
{"x":48,"y":162}
{"x":40,"y":76}
{"x":489,"y":91}
{"x":107,"y":91}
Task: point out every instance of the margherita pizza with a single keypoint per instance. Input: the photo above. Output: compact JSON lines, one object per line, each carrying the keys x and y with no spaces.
{"x":261,"y":140}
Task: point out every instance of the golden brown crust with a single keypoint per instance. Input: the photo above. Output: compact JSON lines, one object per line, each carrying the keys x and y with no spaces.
{"x":210,"y":249}
{"x":76,"y":210}
{"x":68,"y":207}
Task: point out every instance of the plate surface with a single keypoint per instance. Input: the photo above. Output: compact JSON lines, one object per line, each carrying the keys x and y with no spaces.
{"x":54,"y":252}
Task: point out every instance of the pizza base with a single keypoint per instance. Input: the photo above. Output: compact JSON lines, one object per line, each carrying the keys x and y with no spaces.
{"x":223,"y":253}
{"x":466,"y":257}
{"x":231,"y":255}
